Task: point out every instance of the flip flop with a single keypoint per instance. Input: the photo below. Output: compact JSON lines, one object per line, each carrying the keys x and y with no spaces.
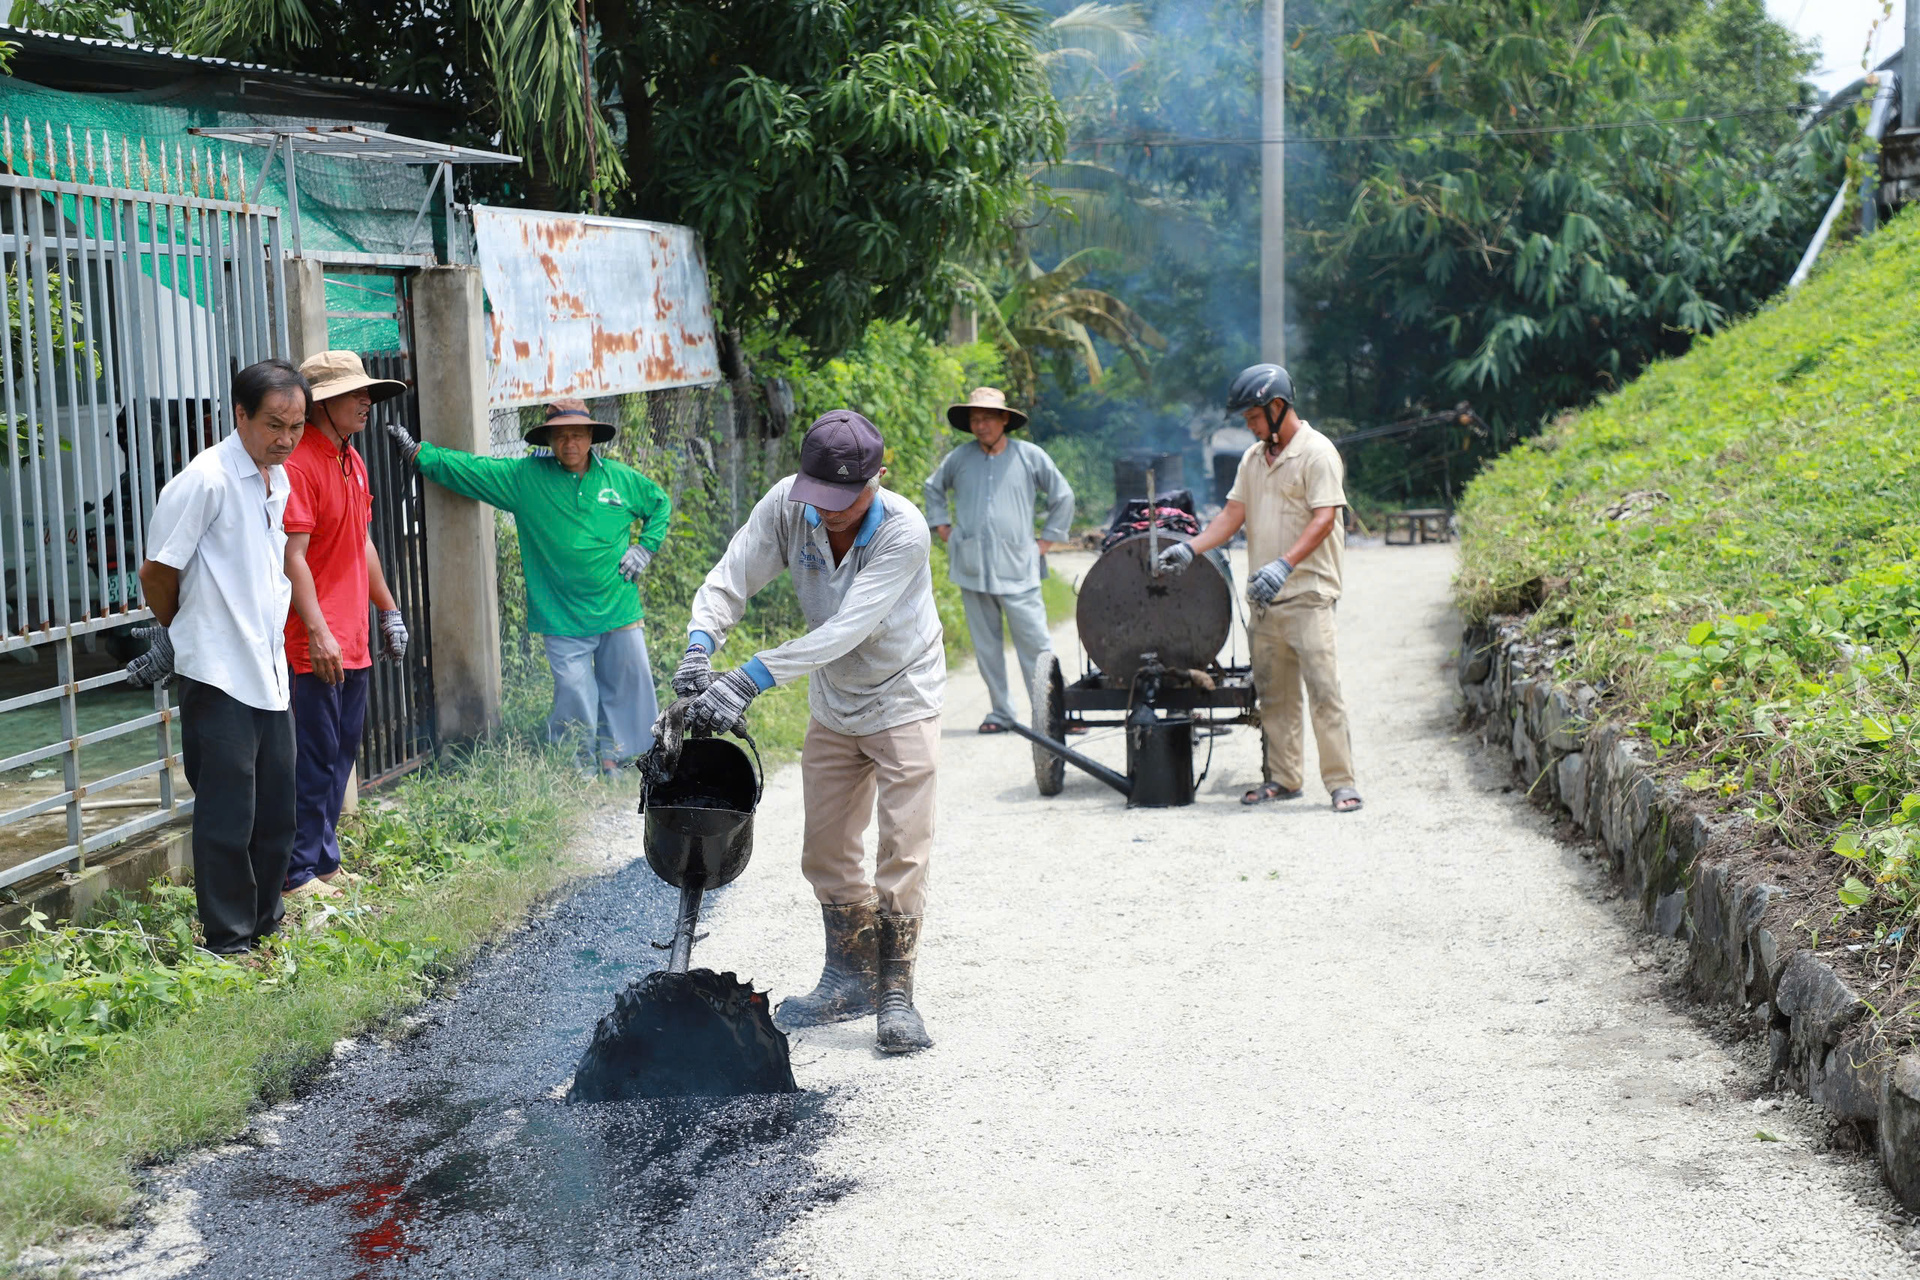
{"x":1342,"y":795}
{"x":1270,"y":791}
{"x":992,"y":726}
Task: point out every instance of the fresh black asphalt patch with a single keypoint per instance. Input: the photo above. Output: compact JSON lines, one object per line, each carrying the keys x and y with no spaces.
{"x":452,"y":1154}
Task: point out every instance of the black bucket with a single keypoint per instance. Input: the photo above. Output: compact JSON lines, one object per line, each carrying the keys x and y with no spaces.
{"x":699,"y":820}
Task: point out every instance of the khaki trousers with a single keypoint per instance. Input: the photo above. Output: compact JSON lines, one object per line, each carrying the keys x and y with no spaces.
{"x":840,"y":776}
{"x":1293,"y":652}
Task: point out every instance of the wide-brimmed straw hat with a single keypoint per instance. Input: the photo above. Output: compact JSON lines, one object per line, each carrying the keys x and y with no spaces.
{"x":567,"y":413}
{"x":985,"y":398}
{"x":335,"y":373}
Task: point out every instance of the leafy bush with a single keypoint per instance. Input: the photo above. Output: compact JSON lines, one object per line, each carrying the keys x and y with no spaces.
{"x":1732,"y":538}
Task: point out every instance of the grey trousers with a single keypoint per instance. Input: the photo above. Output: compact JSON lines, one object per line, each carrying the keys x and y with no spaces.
{"x":603,"y":692}
{"x":1025,"y":615}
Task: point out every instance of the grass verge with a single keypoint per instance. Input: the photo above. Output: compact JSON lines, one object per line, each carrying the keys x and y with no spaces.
{"x":1731,"y":541}
{"x":121,"y":1047}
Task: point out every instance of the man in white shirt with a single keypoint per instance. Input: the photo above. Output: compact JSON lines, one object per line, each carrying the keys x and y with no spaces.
{"x":857,"y":556}
{"x":215,"y":579}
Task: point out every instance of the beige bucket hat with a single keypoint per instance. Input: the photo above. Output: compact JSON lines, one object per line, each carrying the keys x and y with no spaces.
{"x":334,"y":373}
{"x":985,"y":398}
{"x":564,"y":413}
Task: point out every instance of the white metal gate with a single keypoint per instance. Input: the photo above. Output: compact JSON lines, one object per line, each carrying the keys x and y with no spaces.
{"x":135,"y":289}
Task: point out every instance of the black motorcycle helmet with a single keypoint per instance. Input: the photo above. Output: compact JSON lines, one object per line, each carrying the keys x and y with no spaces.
{"x":1260,"y":384}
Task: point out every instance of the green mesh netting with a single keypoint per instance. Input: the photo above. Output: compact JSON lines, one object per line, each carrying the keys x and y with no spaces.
{"x":354,"y":206}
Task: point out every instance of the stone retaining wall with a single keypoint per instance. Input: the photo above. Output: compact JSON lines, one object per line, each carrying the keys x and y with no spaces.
{"x":1678,"y":866}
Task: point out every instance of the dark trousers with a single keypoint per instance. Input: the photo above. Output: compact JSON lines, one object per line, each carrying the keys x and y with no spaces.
{"x":327,"y":723}
{"x":239,"y":762}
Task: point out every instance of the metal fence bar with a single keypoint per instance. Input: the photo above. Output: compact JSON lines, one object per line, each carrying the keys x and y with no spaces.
{"x":133,"y":309}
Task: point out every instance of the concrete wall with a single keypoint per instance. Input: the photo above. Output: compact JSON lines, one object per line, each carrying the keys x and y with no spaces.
{"x":450,"y":355}
{"x":306,"y":308}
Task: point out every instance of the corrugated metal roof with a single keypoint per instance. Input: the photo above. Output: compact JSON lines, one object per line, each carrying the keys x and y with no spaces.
{"x":121,"y":69}
{"x":174,"y":55}
{"x":586,"y":306}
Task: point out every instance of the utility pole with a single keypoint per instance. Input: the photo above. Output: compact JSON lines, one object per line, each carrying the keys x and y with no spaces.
{"x":586,"y":112}
{"x":1273,"y":183}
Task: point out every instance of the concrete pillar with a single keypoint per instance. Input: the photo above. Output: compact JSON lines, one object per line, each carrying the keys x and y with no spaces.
{"x":450,"y":361}
{"x":306,"y":308}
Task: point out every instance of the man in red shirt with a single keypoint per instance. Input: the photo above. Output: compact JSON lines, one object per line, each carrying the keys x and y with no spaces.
{"x":335,"y":571}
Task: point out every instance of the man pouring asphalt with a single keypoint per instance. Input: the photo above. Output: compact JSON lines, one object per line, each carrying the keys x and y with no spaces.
{"x":1289,"y":493}
{"x":857,"y":555}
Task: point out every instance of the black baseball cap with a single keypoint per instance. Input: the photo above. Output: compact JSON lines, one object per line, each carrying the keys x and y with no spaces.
{"x":841,"y":453}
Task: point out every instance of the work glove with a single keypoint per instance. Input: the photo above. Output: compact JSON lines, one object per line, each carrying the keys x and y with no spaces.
{"x":407,"y":445}
{"x":694,"y":674}
{"x":723,"y":706}
{"x":155,"y":666}
{"x":393,"y":634}
{"x":1264,"y":585}
{"x":635,"y":562}
{"x":1174,"y":559}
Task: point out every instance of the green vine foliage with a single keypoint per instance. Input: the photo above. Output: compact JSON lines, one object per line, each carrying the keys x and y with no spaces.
{"x":1733,"y":537}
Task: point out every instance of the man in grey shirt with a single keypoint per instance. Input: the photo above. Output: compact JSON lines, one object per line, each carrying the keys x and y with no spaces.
{"x":993,"y":556}
{"x":858,"y":559}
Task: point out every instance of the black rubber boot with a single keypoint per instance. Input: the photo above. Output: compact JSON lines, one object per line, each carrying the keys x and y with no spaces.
{"x":899,"y":1027}
{"x":847,"y":981}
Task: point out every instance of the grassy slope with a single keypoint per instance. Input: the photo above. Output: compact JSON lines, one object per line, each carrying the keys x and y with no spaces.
{"x":1757,"y":615}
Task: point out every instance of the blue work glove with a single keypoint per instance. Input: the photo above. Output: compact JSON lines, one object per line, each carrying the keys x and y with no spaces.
{"x":393,"y":634}
{"x":724,"y":704}
{"x":1174,"y":559}
{"x":407,"y":445}
{"x":155,"y":666}
{"x":694,"y":674}
{"x":1263,"y":586}
{"x":634,"y":563}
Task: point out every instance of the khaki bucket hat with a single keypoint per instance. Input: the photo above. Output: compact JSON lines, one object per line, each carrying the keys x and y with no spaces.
{"x":565,"y":413}
{"x":334,"y":373}
{"x":985,"y":398}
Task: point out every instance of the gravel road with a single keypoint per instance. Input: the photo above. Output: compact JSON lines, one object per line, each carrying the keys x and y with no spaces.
{"x":1420,"y":1039}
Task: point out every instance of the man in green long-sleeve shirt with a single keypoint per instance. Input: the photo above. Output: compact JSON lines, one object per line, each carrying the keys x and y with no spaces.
{"x":577,"y":515}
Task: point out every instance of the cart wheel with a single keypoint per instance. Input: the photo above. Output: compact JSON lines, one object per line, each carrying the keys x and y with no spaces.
{"x":1049,"y":718}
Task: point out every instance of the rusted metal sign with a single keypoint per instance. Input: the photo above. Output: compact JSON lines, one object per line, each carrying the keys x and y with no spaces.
{"x":584,"y":306}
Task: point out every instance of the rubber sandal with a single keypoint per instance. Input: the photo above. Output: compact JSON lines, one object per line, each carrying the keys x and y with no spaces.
{"x":992,"y":726}
{"x":1344,"y":794}
{"x":1270,"y":791}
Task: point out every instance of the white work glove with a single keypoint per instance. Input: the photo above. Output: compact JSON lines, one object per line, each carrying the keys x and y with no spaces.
{"x":407,"y":444}
{"x":1174,"y":559}
{"x":694,"y":674}
{"x":393,"y":634}
{"x":155,"y":666}
{"x":724,"y":704}
{"x":1264,"y":585}
{"x":634,"y":563}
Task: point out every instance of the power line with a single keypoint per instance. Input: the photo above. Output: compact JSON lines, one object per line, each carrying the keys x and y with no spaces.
{"x":1524,"y":131}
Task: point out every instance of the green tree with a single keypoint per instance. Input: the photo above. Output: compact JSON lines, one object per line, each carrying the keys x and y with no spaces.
{"x":1432,"y":258}
{"x":834,"y":155}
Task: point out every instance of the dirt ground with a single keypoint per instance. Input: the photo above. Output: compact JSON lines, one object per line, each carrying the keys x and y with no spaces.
{"x":1278,"y":1041}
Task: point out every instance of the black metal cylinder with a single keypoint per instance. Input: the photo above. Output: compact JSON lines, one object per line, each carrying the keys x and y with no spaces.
{"x":1159,"y":759}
